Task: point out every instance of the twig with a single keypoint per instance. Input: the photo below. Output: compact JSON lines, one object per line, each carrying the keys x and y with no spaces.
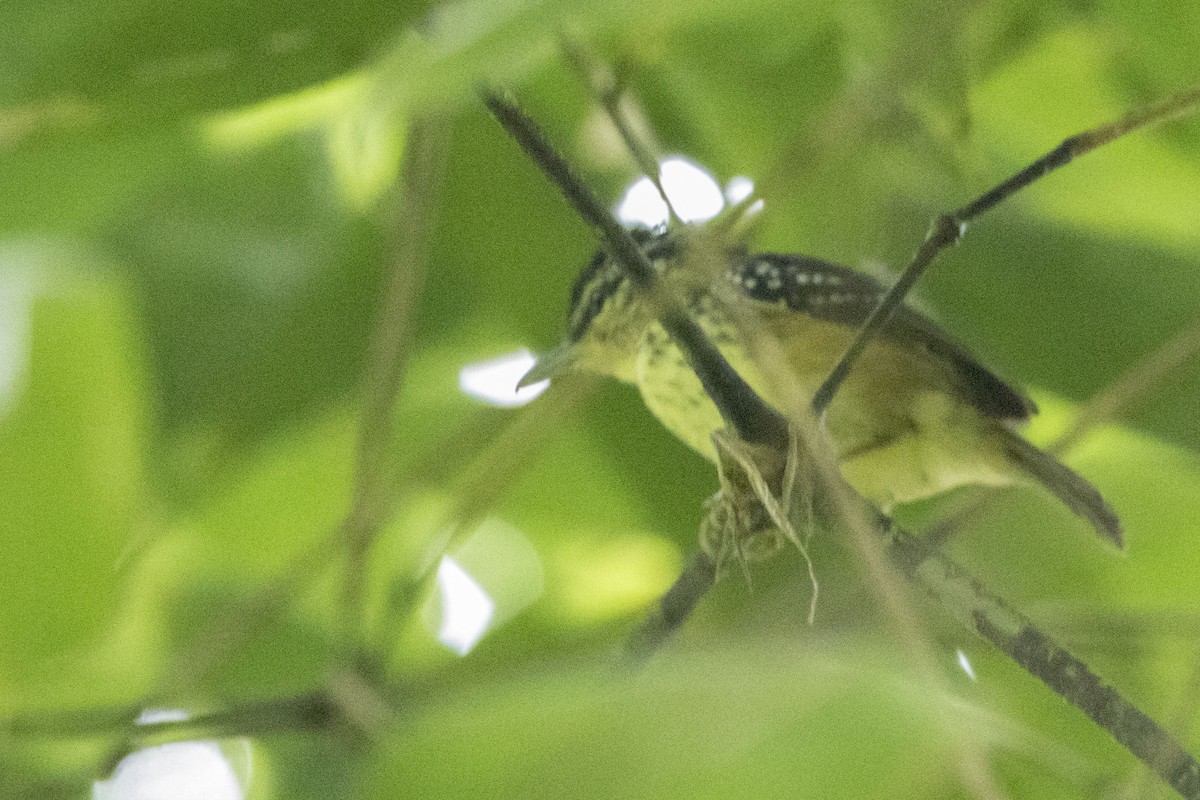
{"x":420,"y":179}
{"x":1124,"y":392}
{"x":1009,"y":630}
{"x":1182,"y":721}
{"x":754,"y":422}
{"x":1018,"y":638}
{"x":603,"y":84}
{"x":740,"y":407}
{"x":372,"y":487}
{"x":278,"y":715}
{"x":949,"y":228}
{"x":488,"y":477}
{"x":1131,"y":386}
{"x":672,"y":609}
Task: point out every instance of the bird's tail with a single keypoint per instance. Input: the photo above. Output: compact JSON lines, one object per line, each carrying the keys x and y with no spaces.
{"x":1067,"y":485}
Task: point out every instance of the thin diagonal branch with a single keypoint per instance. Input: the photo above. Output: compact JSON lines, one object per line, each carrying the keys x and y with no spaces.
{"x":740,"y":407}
{"x":603,"y":84}
{"x":672,"y":609}
{"x":295,"y":713}
{"x":968,"y":601}
{"x":1181,"y":720}
{"x":864,"y":524}
{"x":1038,"y":654}
{"x":949,"y":228}
{"x":373,"y":482}
{"x":1011,"y":632}
{"x":1131,"y":386}
{"x":420,"y":178}
{"x":1125,"y":391}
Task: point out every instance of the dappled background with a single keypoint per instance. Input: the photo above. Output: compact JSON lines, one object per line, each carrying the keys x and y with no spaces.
{"x":199,"y":214}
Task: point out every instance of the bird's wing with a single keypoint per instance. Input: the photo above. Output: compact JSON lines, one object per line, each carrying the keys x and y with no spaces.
{"x":837,"y":294}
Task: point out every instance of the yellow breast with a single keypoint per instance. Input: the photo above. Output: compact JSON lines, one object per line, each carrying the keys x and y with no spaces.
{"x":899,"y":431}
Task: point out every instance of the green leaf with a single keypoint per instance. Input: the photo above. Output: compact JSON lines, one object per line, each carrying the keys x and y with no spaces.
{"x":128,"y":61}
{"x":72,"y":437}
{"x":766,"y":720}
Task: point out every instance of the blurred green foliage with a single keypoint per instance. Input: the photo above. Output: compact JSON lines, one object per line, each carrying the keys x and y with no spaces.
{"x":196,"y":221}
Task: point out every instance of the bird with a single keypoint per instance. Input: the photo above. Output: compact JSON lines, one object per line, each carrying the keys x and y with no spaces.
{"x":917,"y":416}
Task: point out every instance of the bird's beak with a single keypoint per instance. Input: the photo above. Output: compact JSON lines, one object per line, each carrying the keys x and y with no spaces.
{"x":549,"y":365}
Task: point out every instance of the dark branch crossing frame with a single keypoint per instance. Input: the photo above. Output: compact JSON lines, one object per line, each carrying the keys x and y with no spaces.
{"x":757,"y":424}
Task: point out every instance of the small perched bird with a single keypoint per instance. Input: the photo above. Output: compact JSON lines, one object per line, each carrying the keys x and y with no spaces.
{"x":918,"y":415}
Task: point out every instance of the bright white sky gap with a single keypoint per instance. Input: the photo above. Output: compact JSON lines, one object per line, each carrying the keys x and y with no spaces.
{"x":694,"y":193}
{"x":178,"y":771}
{"x":466,"y":608}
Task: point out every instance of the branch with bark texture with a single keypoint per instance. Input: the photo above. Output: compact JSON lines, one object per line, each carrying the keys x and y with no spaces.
{"x":756,"y":423}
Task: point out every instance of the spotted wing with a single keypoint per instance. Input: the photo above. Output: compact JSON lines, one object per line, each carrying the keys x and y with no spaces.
{"x":833,"y":293}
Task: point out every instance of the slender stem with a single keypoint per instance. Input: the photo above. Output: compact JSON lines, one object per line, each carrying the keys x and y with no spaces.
{"x":490,"y":474}
{"x":312,"y":711}
{"x":672,"y":610}
{"x":968,"y":601}
{"x":420,"y":179}
{"x":949,"y":228}
{"x":1131,"y":386}
{"x":1080,"y":144}
{"x":1181,"y":720}
{"x":1125,"y":391}
{"x":1039,"y":655}
{"x":945,"y":232}
{"x":835,"y":507}
{"x":1007,"y":629}
{"x":740,"y":407}
{"x":603,"y":84}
